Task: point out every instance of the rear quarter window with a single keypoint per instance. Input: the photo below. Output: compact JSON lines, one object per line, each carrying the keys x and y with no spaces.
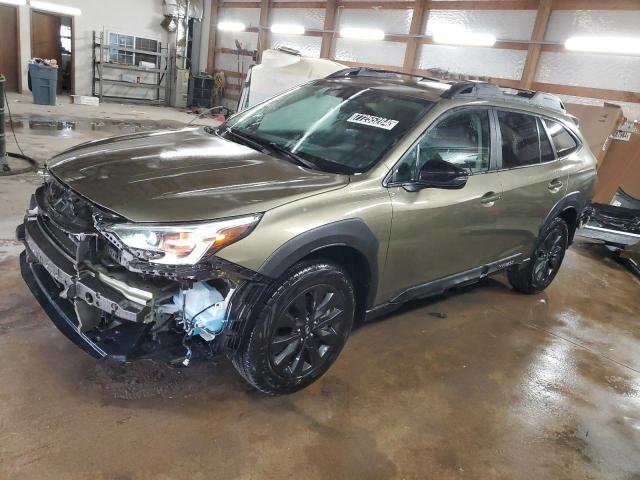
{"x":563,"y":141}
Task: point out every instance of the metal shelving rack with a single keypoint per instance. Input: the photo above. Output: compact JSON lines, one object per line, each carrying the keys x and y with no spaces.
{"x":161,"y":74}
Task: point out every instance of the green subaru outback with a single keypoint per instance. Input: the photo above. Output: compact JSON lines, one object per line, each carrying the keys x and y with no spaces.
{"x":266,"y":238}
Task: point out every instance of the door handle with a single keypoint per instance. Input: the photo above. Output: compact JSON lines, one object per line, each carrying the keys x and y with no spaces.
{"x":555,"y":185}
{"x":489,"y":199}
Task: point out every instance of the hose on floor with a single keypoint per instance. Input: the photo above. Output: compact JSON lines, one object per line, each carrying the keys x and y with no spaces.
{"x":32,"y":165}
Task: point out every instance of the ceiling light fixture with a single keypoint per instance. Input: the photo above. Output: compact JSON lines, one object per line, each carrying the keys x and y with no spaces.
{"x":362,"y":33}
{"x":286,"y":29}
{"x":454,"y":37}
{"x":622,"y":45}
{"x":53,"y":7}
{"x":232,"y":26}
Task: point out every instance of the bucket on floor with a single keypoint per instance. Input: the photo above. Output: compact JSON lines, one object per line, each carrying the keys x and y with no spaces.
{"x":44,"y":82}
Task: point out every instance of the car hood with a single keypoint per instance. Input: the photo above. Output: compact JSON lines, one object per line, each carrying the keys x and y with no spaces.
{"x":184,"y":175}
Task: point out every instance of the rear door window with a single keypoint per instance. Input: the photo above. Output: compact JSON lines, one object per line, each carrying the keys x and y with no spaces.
{"x":546,"y":152}
{"x":563,"y":141}
{"x":520,"y":139}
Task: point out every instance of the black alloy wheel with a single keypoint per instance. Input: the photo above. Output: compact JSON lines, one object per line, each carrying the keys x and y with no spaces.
{"x":307,"y":330}
{"x":538,"y":273}
{"x":548,"y":257}
{"x":300,"y":327}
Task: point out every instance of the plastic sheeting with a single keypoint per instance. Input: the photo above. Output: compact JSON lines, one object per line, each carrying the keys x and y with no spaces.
{"x":249,"y":16}
{"x":474,"y":60}
{"x":504,"y":24}
{"x":176,"y":8}
{"x":565,"y":24}
{"x":309,"y":18}
{"x":366,"y":51}
{"x":390,"y":21}
{"x":616,"y":72}
{"x":601,"y":71}
{"x":196,"y":9}
{"x":249,"y":40}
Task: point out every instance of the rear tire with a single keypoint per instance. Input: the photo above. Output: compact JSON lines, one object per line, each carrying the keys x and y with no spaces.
{"x":538,"y":273}
{"x":300,"y":327}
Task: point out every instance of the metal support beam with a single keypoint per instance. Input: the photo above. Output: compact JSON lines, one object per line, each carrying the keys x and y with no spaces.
{"x":420,"y":12}
{"x":213,"y":28}
{"x":533,"y":53}
{"x":329,"y":28}
{"x":263,"y":33}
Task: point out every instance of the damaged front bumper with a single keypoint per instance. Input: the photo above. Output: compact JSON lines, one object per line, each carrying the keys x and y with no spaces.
{"x":614,"y":225}
{"x":121,"y":313}
{"x":61,"y":291}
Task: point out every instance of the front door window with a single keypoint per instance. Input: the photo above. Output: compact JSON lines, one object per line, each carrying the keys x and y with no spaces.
{"x":462,"y":138}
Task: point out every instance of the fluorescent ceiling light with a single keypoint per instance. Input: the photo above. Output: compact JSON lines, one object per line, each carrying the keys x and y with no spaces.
{"x":456,"y":37}
{"x":14,"y":2}
{"x":362,"y":33}
{"x":52,"y":7}
{"x":232,"y":26}
{"x":628,"y":46}
{"x":287,"y":29}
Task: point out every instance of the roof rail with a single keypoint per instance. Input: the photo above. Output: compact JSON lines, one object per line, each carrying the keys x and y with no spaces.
{"x":483,"y":90}
{"x":466,"y":89}
{"x":374,"y":72}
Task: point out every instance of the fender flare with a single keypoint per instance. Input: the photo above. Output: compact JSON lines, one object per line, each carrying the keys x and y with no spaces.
{"x":352,"y":233}
{"x":575,"y":200}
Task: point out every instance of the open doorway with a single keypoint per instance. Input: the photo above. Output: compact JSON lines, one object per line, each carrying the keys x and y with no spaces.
{"x":52,"y":37}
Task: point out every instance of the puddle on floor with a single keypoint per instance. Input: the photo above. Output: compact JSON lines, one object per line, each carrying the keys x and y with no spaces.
{"x":39,"y":125}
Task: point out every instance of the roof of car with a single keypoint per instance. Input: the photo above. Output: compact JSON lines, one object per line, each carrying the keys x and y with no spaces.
{"x":402,"y":85}
{"x":434,"y":90}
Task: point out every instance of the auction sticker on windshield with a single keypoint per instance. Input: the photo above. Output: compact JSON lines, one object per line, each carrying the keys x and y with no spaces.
{"x":378,"y":122}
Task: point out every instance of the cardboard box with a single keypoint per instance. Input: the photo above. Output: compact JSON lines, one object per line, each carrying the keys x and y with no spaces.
{"x":85,"y":100}
{"x":597,"y":124}
{"x":620,"y":169}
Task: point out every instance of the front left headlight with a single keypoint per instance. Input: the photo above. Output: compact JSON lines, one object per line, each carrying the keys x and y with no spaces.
{"x":183,"y":244}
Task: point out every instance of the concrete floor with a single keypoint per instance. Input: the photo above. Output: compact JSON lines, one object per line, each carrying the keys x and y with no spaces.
{"x":505,"y":386}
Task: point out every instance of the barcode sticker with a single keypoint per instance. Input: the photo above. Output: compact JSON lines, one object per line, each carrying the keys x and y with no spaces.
{"x":370,"y":120}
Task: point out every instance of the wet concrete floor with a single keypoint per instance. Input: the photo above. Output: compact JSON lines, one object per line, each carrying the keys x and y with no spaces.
{"x":483,"y":383}
{"x":506,"y":386}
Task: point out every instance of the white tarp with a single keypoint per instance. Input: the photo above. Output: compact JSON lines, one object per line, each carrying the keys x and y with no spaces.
{"x":280,"y":71}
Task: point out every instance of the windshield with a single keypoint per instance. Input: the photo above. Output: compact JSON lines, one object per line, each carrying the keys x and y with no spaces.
{"x":335,"y":127}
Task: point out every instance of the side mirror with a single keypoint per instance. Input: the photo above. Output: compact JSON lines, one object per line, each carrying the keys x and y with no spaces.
{"x":438,"y":173}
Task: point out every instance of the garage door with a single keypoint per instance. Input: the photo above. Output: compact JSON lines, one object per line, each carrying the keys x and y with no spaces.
{"x":9,"y":46}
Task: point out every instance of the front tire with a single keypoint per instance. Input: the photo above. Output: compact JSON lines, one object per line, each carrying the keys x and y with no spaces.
{"x":545,"y":262}
{"x":300,"y":328}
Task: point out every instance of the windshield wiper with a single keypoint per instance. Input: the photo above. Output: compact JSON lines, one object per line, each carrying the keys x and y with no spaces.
{"x":303,"y":162}
{"x":261,"y":145}
{"x":245,"y":139}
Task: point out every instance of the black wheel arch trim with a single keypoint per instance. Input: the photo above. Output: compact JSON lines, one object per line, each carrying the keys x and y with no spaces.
{"x":573,"y":200}
{"x":353,"y":233}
